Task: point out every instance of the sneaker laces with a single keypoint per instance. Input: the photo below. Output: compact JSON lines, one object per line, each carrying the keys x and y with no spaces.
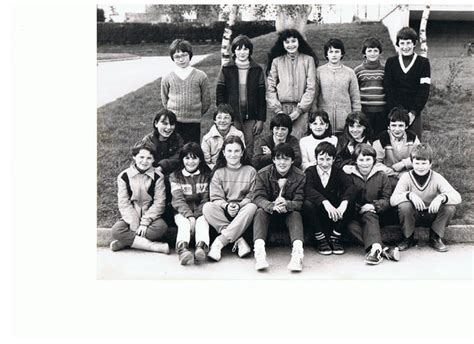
{"x":235,"y":247}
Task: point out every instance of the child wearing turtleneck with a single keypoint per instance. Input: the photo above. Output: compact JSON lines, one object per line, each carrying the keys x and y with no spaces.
{"x":370,"y":76}
{"x":241,"y":84}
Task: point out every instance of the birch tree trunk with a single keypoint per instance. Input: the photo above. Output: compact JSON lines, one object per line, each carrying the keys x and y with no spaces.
{"x":225,"y":48}
{"x":424,"y":20}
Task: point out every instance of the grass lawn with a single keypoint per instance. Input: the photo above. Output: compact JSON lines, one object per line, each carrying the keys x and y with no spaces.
{"x":123,"y":122}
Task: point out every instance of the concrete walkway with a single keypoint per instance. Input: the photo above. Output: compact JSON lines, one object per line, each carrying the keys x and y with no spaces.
{"x":118,"y":78}
{"x":420,"y":262}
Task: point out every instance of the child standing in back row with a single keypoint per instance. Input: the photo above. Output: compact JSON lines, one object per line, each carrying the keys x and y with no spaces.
{"x":338,"y":87}
{"x":185,"y":91}
{"x":370,"y":77}
{"x":407,"y":79}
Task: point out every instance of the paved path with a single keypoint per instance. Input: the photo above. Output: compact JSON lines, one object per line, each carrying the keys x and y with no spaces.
{"x":417,"y":263}
{"x":118,"y":78}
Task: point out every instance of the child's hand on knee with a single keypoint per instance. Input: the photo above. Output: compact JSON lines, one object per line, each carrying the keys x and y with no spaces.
{"x":417,"y":201}
{"x":435,"y":204}
{"x":141,"y":231}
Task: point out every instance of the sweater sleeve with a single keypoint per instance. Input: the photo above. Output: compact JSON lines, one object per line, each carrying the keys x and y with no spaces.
{"x":307,"y":99}
{"x":349,"y":190}
{"x":127,"y":211}
{"x":178,"y":200}
{"x":165,"y":88}
{"x":304,"y":155}
{"x":158,"y":206}
{"x":354,"y":92}
{"x":272,"y":96}
{"x":216,"y":192}
{"x":260,"y":195}
{"x":206,"y":150}
{"x":401,"y":190}
{"x":423,"y":89}
{"x":221,"y":95}
{"x":249,"y":196}
{"x":446,"y":189}
{"x":205,"y":94}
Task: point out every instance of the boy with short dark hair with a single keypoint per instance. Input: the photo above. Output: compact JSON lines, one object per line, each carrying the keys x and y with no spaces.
{"x":329,"y":193}
{"x":185,"y":91}
{"x":407,"y":79}
{"x":423,"y":196}
{"x":279,"y":192}
{"x":141,"y":202}
{"x":370,"y":76}
{"x":394,"y":145}
{"x":223,"y":127}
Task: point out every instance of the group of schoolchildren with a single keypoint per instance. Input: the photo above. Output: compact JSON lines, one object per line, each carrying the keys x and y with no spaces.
{"x":344,"y":147}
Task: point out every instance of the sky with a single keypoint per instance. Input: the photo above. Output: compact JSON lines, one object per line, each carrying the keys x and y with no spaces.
{"x":121,"y":9}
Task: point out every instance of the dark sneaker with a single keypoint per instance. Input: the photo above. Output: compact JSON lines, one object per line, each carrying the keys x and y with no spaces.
{"x":337,"y":247}
{"x":374,"y":257}
{"x":323,"y":247}
{"x":406,"y":243}
{"x":437,"y":243}
{"x":391,"y":253}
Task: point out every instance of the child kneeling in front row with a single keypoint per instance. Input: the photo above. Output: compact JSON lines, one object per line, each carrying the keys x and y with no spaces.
{"x":141,"y":202}
{"x":372,"y":200}
{"x":190,"y":191}
{"x":279,"y":193}
{"x":329,"y":193}
{"x":424,"y":197}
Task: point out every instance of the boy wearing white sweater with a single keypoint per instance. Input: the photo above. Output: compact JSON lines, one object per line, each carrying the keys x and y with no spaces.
{"x":423,"y":196}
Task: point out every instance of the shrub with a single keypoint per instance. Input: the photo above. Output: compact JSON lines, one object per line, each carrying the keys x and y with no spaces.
{"x":136,"y":33}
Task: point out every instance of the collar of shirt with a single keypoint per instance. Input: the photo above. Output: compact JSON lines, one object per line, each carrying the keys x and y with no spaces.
{"x":323,"y":173}
{"x":401,"y":139}
{"x":133,"y":171}
{"x":187,"y":174}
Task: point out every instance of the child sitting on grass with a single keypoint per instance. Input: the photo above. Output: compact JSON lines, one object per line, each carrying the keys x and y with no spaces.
{"x":281,"y":126}
{"x":190,"y":191}
{"x":329,"y":196}
{"x":394,"y":145}
{"x":338,"y":86}
{"x":141,"y":202}
{"x":279,"y":192}
{"x":372,"y":200}
{"x":165,"y":141}
{"x":370,"y":76}
{"x":423,"y":196}
{"x":319,"y":130}
{"x":230,"y":210}
{"x":223,"y":127}
{"x":185,"y":91}
{"x":356,"y":130}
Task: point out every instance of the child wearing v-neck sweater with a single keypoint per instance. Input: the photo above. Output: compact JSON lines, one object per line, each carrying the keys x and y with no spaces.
{"x":185,"y":91}
{"x":424,"y":196}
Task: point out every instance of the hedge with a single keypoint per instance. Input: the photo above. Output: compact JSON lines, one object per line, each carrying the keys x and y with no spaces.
{"x":136,"y":33}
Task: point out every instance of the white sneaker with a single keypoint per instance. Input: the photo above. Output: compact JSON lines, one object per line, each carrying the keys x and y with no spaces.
{"x":215,"y":251}
{"x":242,"y":247}
{"x":296,"y":262}
{"x":260,"y":259}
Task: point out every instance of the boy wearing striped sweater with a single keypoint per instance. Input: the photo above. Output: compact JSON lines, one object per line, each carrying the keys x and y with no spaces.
{"x":424,"y":197}
{"x":370,"y":76}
